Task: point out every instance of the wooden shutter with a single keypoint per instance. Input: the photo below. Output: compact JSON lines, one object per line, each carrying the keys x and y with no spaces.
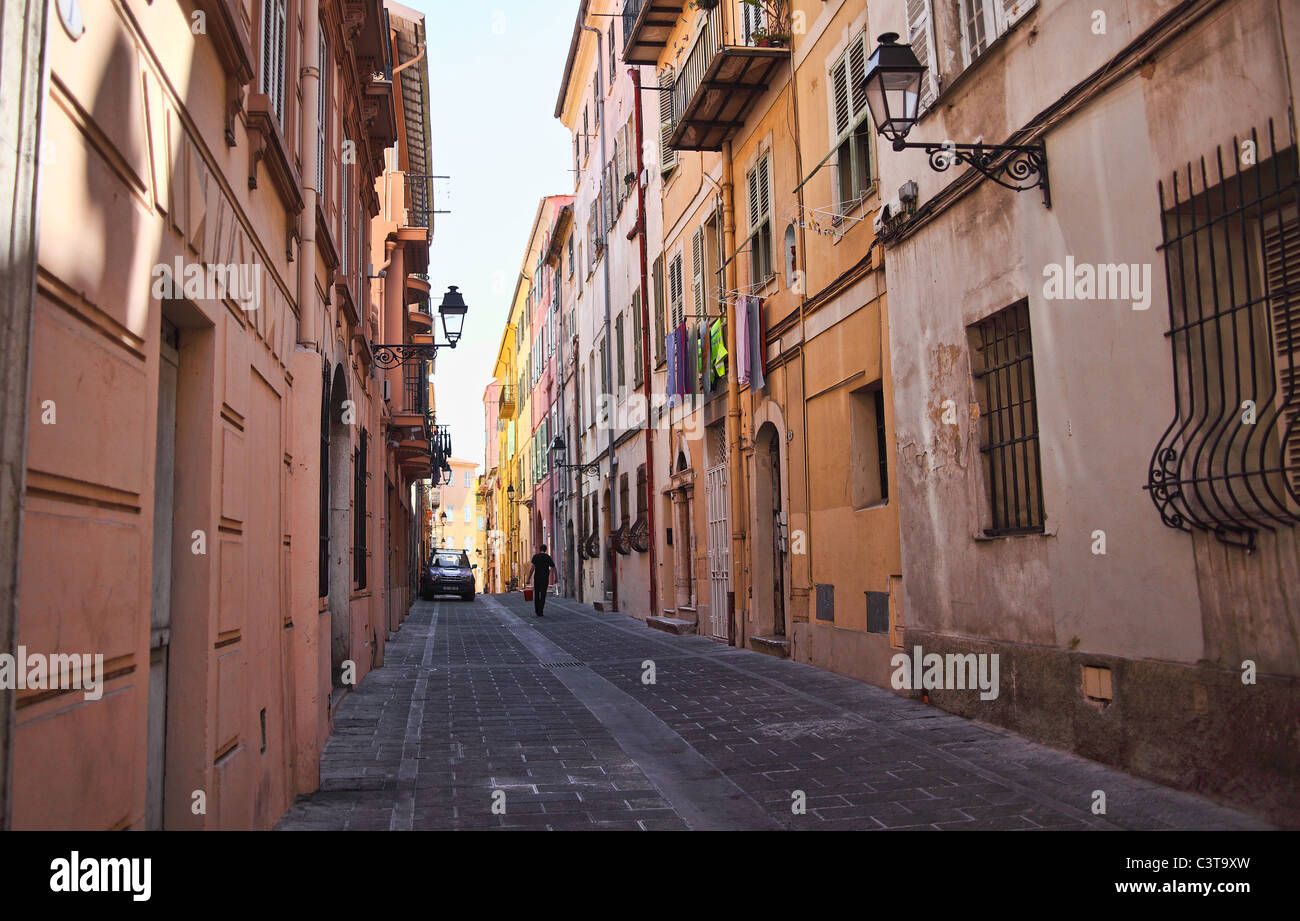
{"x":277,"y":69}
{"x":657,"y":275}
{"x":273,"y":27}
{"x":343,"y":229}
{"x":841,"y":97}
{"x":637,"y":369}
{"x":847,"y":94}
{"x":667,"y":154}
{"x":857,"y":68}
{"x":322,"y":57}
{"x":1015,"y":10}
{"x":620,"y":364}
{"x":760,"y":194}
{"x":1280,"y":233}
{"x":268,"y":46}
{"x":620,"y":163}
{"x":675,"y":292}
{"x":697,"y":271}
{"x":752,"y":14}
{"x":920,"y":33}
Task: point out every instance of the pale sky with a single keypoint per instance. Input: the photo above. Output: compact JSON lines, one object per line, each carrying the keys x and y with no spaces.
{"x":494,"y":74}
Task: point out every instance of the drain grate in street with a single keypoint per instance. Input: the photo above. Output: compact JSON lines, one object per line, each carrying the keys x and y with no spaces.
{"x":573,"y":663}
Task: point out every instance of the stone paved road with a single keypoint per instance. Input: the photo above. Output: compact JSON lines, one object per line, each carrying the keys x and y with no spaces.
{"x":483,"y":703}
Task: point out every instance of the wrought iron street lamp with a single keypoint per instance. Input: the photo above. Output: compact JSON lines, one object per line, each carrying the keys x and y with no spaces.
{"x":558,"y":451}
{"x":452,"y":310}
{"x":893,"y":90}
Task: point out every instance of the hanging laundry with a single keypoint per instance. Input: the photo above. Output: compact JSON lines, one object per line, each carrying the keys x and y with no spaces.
{"x":680,"y":336}
{"x":706,"y":361}
{"x":692,"y":376}
{"x":718,"y":349}
{"x":758,"y":343}
{"x":670,"y":342}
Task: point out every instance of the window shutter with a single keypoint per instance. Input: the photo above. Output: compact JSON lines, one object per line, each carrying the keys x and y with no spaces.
{"x":637,"y":336}
{"x":322,"y":57}
{"x":621,"y":365}
{"x":675,"y":291}
{"x":857,"y":72}
{"x":697,"y":270}
{"x":1016,"y":10}
{"x":843,"y":101}
{"x":657,"y":275}
{"x":920,"y":33}
{"x":753,"y":20}
{"x":1280,"y":234}
{"x":343,"y":230}
{"x":667,"y":154}
{"x":268,"y":45}
{"x":620,"y":161}
{"x":277,"y":94}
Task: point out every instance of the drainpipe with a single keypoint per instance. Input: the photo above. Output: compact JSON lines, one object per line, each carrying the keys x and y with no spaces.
{"x":646,"y":373}
{"x":415,"y":60}
{"x":606,"y":383}
{"x":310,"y":75}
{"x":735,"y":475}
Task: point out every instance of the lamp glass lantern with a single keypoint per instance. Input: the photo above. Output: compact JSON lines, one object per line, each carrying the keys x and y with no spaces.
{"x":893,"y":87}
{"x":510,"y":493}
{"x":452,"y":310}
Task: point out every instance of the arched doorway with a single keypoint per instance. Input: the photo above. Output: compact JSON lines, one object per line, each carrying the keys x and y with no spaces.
{"x":339,"y":507}
{"x":769,"y":539}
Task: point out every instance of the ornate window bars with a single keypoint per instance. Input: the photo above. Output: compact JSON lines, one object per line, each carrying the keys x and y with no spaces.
{"x":1229,"y":462}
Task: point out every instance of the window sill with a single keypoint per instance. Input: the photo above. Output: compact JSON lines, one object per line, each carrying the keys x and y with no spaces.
{"x":874,"y":506}
{"x":982,"y":536}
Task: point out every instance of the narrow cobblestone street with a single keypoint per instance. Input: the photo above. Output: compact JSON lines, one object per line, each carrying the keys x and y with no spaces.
{"x":482,"y":697}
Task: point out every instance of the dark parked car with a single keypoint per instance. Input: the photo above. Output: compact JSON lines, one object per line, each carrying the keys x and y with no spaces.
{"x":448,"y":573}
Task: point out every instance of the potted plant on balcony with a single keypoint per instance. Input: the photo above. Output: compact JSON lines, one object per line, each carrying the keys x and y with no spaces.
{"x":705,"y":5}
{"x":775,"y":33}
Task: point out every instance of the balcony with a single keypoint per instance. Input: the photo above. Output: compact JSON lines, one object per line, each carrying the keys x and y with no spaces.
{"x":647,"y":24}
{"x":419,"y":201}
{"x":739,"y":48}
{"x":507,"y":403}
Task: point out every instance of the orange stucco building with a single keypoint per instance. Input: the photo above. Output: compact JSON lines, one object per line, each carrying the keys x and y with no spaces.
{"x":212,"y":467}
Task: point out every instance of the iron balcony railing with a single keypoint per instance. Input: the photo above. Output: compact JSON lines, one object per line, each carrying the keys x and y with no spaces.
{"x":732,"y":24}
{"x":507,"y":402}
{"x":419,"y":201}
{"x":631,"y":10}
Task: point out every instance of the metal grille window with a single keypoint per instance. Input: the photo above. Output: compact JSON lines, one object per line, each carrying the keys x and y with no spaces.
{"x":1004,"y":376}
{"x":1229,"y":463}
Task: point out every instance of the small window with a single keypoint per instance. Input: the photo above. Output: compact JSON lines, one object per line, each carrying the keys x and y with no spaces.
{"x":1003,"y":368}
{"x":868,"y":447}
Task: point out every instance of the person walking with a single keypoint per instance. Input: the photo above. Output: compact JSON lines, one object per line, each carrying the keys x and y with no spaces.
{"x":539,"y":573}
